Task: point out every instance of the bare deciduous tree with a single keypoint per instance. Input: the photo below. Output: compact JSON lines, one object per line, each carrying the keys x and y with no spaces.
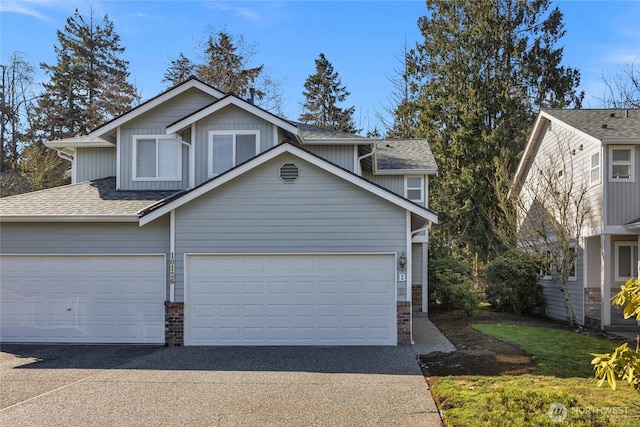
{"x":622,"y":90}
{"x":552,"y":208}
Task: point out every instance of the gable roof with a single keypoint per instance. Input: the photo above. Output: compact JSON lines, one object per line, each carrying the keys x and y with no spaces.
{"x":224,"y":102}
{"x":590,"y":123}
{"x":190,"y":83}
{"x":88,"y":201}
{"x":162,"y":208}
{"x":601,"y":123}
{"x":405,"y":155}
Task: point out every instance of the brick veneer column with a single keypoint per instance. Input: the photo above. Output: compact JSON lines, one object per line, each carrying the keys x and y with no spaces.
{"x":174,"y":323}
{"x":416,"y":297}
{"x":404,"y":322}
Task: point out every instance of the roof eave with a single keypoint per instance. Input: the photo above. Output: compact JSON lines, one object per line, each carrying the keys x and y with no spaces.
{"x":406,"y":171}
{"x":68,"y":218}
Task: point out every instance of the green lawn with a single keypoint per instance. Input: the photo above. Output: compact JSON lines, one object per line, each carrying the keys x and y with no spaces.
{"x":564,"y":376}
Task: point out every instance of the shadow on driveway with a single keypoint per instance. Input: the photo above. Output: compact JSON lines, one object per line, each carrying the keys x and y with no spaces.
{"x":357,"y":360}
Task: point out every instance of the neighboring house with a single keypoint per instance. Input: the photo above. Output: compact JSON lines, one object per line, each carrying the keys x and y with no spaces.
{"x":603,"y":148}
{"x":198,"y":218}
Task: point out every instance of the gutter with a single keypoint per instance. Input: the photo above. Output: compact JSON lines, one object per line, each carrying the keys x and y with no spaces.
{"x":68,"y":218}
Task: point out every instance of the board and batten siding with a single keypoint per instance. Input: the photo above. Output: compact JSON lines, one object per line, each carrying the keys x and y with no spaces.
{"x":230,"y":118}
{"x":85,"y":239}
{"x":623,"y":198}
{"x":341,"y":155}
{"x":95,"y":163}
{"x":258,"y":213}
{"x":416,"y":263}
{"x":393,"y":183}
{"x":155,"y":122}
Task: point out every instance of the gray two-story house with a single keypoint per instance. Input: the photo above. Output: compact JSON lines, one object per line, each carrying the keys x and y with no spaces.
{"x":198,"y":218}
{"x":601,"y":147}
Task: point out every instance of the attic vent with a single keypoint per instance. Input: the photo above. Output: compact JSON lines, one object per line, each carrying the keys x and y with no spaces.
{"x":612,"y":115}
{"x":604,"y":126}
{"x":289,"y":172}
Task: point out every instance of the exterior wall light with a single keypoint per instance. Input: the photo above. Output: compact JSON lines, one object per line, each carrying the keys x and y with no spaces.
{"x":402,"y":261}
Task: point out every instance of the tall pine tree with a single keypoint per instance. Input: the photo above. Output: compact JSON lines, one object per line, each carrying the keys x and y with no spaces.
{"x":88,"y":84}
{"x":483,"y":70}
{"x":323,"y":91}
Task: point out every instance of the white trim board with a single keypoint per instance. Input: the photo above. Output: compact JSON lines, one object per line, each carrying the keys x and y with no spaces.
{"x":275,"y":152}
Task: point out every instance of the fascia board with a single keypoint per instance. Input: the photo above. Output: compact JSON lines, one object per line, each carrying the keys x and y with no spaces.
{"x":621,"y":140}
{"x":217,"y":106}
{"x":66,"y":144}
{"x":393,"y":198}
{"x":143,"y":108}
{"x":406,"y":172}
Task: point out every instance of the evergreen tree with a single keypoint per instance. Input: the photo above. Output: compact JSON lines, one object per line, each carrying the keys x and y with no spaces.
{"x":484,"y":68}
{"x":226,"y":67}
{"x":179,"y":70}
{"x":88,"y":84}
{"x":323,"y":90}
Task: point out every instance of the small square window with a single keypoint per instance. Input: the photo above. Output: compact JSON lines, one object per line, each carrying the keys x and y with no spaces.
{"x":157,"y":158}
{"x":230,"y":148}
{"x":621,"y":164}
{"x":414,"y":188}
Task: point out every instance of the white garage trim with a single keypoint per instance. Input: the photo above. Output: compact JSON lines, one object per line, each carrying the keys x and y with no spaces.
{"x":243,"y":301}
{"x":82,"y":298}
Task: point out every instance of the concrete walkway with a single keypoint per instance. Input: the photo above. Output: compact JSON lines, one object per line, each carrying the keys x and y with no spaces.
{"x":427,"y":338}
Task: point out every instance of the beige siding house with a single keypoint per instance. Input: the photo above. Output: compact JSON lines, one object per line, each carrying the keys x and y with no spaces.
{"x":602,"y":149}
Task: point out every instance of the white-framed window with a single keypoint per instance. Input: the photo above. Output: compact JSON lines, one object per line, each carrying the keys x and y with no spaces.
{"x":621,"y":163}
{"x":573,"y":275}
{"x":626,"y":261}
{"x":594,"y":171}
{"x":156,"y":158}
{"x":414,"y":188}
{"x":230,"y":148}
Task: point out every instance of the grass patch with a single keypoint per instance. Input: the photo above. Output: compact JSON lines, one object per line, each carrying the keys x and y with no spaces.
{"x":564,"y":375}
{"x":556,"y":352}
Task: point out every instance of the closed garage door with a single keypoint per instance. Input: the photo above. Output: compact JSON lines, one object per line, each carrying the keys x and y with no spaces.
{"x":290,"y":300}
{"x":82,"y":299}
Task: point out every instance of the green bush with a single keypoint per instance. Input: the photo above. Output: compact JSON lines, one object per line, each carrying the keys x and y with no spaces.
{"x":451,"y":284}
{"x":514,"y":282}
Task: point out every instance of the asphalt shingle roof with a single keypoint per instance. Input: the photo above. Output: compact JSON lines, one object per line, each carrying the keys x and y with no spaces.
{"x":405,"y":154}
{"x":619,"y":123}
{"x":98,"y":197}
{"x":312,"y":132}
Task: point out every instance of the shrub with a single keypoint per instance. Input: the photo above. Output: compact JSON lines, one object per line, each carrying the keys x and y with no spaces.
{"x":514,"y":282}
{"x":451,"y":284}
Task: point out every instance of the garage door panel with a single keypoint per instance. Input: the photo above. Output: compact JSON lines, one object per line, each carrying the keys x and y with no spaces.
{"x":88,"y":299}
{"x":290,"y":300}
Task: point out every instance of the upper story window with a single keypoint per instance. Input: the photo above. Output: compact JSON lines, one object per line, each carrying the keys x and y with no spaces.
{"x":621,"y":164}
{"x":626,"y":261}
{"x":156,"y":158}
{"x":595,"y":168}
{"x":230,"y":148}
{"x":414,"y":188}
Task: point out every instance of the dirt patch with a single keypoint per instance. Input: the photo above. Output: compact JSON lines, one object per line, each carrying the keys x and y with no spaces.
{"x":477,"y":353}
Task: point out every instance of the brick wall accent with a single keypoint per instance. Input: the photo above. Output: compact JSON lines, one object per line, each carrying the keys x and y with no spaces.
{"x":173,"y":323}
{"x":404,"y":322}
{"x":592,"y":308}
{"x":416,"y":297}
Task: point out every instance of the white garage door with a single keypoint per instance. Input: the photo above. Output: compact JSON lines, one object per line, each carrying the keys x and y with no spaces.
{"x":82,"y":299}
{"x":290,"y":300}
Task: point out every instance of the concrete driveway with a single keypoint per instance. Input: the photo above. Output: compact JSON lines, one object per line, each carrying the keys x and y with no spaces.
{"x":145,"y":385}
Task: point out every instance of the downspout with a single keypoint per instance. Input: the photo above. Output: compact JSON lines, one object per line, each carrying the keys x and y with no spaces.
{"x":364,"y":156}
{"x":71,"y":159}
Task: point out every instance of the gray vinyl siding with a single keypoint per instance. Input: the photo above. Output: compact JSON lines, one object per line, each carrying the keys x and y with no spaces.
{"x":554,"y":303}
{"x":258,"y":213}
{"x":594,"y":261}
{"x":155,"y":122}
{"x":341,"y":155}
{"x":394,"y":183}
{"x":230,"y":118}
{"x":95,"y":163}
{"x":623,"y":198}
{"x":85,"y":238}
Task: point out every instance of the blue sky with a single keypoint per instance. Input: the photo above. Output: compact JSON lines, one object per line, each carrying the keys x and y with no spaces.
{"x":360,"y":38}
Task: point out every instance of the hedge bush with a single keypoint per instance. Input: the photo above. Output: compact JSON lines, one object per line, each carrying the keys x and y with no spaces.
{"x":514,"y":282}
{"x":451,"y":284}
